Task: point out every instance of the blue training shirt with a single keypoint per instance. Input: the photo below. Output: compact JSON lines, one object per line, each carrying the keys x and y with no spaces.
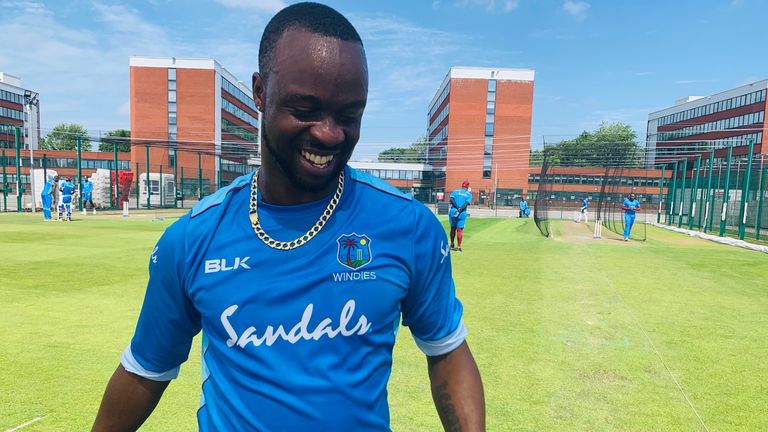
{"x":87,"y":187}
{"x":302,"y":339}
{"x":631,"y":205}
{"x":67,"y":189}
{"x":461,"y":197}
{"x":584,"y":203}
{"x":48,"y":187}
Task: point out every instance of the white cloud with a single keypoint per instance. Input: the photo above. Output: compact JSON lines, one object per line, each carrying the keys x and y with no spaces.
{"x":264,"y":5}
{"x":577,"y":9}
{"x":489,"y":5}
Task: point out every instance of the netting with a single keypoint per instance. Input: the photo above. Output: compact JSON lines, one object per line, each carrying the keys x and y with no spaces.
{"x":542,"y":202}
{"x":613,"y":192}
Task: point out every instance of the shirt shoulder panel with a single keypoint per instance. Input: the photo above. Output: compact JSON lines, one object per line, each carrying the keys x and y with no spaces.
{"x":220,"y":195}
{"x":377,"y":183}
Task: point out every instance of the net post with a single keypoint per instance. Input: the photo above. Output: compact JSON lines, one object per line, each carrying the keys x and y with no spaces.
{"x":683,"y":178}
{"x":726,"y":190}
{"x":760,"y":200}
{"x":661,"y":194}
{"x":745,"y":191}
{"x":694,"y":194}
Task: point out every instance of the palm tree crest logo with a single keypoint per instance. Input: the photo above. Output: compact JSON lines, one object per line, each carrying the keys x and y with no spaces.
{"x":354,"y":250}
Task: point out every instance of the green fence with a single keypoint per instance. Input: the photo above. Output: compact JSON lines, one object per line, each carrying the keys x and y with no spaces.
{"x":177,"y":178}
{"x":722,"y":194}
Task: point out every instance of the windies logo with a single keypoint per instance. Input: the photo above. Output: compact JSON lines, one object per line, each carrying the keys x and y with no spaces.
{"x":354,"y":250}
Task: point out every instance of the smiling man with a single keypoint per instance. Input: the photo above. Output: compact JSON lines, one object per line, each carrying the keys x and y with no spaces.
{"x":298,"y":275}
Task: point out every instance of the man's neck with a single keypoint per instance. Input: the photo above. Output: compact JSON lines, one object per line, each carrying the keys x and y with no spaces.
{"x":276,"y":188}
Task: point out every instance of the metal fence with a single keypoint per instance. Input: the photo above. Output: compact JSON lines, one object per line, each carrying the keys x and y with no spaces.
{"x":170,"y":174}
{"x":725,"y":196}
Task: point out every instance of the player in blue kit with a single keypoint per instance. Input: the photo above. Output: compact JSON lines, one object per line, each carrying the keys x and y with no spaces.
{"x":46,"y":196}
{"x":630,"y":206}
{"x":457,"y":215}
{"x":67,"y":189}
{"x":584,"y":206}
{"x":88,"y":195}
{"x":298,"y":275}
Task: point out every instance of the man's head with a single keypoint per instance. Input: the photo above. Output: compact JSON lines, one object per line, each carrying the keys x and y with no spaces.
{"x":632,"y":196}
{"x":69,"y":178}
{"x":465,"y":184}
{"x":312,"y":87}
{"x":55,"y":178}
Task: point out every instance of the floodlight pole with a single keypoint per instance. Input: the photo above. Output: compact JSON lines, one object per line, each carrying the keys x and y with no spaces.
{"x":79,"y":173}
{"x":17,"y":142}
{"x":745,"y":192}
{"x":115,"y":187}
{"x":726,"y":190}
{"x":694,"y":194}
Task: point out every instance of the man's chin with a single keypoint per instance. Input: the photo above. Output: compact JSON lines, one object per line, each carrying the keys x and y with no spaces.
{"x":316,"y":184}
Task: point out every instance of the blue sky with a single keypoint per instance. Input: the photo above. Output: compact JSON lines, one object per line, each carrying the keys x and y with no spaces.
{"x":594,"y":60}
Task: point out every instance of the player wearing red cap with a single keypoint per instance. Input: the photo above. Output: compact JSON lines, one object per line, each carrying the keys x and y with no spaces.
{"x":457,"y":215}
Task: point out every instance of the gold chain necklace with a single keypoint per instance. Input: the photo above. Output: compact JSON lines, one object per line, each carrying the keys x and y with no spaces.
{"x":293,"y":244}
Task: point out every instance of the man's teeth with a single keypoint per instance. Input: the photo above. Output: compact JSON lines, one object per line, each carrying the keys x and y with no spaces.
{"x":317,"y":160}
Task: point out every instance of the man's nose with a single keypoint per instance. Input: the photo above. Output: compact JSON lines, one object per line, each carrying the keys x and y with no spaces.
{"x":328,"y":132}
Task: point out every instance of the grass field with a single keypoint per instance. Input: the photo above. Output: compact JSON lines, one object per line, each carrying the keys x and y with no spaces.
{"x":570,"y":334}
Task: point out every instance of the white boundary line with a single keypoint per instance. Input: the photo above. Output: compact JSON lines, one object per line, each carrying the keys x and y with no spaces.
{"x":25,"y":424}
{"x":658,"y":354}
{"x":671,"y":375}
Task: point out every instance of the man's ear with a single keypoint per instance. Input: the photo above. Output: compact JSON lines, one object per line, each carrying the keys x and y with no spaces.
{"x":257,"y":85}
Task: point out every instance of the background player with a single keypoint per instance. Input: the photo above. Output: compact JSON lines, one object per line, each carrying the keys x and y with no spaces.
{"x":583,"y":209}
{"x":87,"y":189}
{"x":47,"y":196}
{"x":630,"y":206}
{"x":524,"y":210}
{"x":67,"y":189}
{"x":457,"y":215}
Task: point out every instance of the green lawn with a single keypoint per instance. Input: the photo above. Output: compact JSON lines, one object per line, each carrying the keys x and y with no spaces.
{"x":571,"y":334}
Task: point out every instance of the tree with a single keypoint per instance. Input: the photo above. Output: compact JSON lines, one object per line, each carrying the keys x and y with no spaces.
{"x":415,"y":153}
{"x":612,"y":144}
{"x":63,"y":136}
{"x":121,"y":137}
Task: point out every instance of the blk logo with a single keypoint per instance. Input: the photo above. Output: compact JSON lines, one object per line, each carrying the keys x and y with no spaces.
{"x":221,"y":265}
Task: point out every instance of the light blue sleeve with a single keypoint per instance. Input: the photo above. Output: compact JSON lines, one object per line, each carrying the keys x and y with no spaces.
{"x":431,"y":309}
{"x":168,"y":320}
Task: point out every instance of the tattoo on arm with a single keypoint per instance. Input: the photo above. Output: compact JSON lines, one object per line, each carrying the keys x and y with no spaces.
{"x":445,"y":408}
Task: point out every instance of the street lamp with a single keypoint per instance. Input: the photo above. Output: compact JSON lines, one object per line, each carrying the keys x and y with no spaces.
{"x":30,"y":99}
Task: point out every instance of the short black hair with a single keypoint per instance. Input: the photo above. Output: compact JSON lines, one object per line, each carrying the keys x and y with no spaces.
{"x":313,"y":17}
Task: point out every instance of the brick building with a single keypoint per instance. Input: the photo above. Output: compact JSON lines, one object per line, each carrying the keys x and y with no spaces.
{"x":479,"y":127}
{"x":192,"y":113}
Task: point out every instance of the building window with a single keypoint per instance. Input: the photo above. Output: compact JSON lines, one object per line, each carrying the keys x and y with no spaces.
{"x":489,"y":129}
{"x":171,"y":74}
{"x":491,"y":86}
{"x":171,"y":95}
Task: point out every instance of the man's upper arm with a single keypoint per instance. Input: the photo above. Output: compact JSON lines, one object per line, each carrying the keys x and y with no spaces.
{"x":431,"y":309}
{"x":168,"y":321}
